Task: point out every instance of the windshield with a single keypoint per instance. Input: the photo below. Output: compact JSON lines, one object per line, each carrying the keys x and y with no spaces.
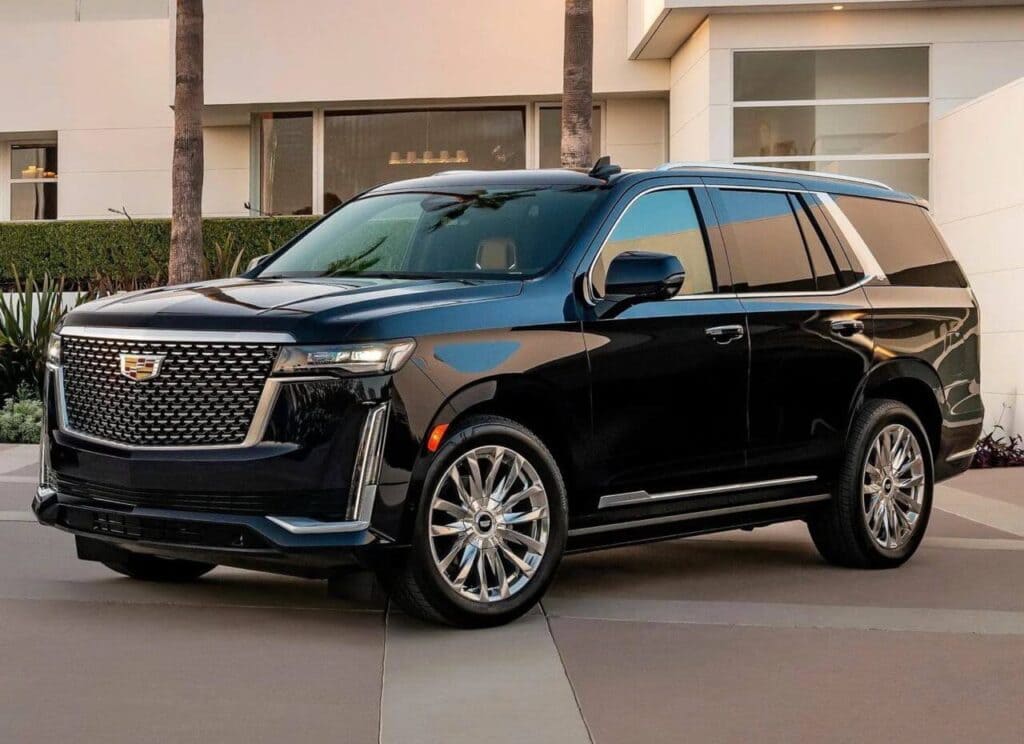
{"x":481,"y":233}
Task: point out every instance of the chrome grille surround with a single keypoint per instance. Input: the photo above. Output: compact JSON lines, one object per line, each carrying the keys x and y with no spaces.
{"x":207,"y":393}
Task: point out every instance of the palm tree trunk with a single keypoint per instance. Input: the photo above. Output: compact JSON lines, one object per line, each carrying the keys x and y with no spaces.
{"x":186,"y":261}
{"x":578,"y":84}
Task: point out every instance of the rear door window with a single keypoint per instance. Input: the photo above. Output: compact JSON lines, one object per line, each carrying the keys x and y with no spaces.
{"x":764,"y":242}
{"x":826,"y":273}
{"x":905,"y":242}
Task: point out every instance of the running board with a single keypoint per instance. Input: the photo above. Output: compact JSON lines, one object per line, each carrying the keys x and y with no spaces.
{"x":643,"y":497}
{"x":651,"y":521}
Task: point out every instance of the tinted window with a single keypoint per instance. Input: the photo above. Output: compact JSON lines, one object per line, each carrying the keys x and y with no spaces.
{"x":904,"y":241}
{"x":826,"y":275}
{"x":475,"y":233}
{"x":661,"y":222}
{"x":765,"y":246}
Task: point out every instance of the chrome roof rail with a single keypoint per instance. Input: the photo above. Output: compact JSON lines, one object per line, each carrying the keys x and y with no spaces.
{"x":782,"y":171}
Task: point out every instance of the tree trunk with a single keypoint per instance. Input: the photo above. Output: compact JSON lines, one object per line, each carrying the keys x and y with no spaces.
{"x":186,"y":261}
{"x":578,"y":84}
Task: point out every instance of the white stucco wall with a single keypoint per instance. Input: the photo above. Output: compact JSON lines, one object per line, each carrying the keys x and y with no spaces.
{"x":978,"y":201}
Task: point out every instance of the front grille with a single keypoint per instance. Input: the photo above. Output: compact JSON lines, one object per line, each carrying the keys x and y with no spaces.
{"x":206,"y":393}
{"x":326,"y":504}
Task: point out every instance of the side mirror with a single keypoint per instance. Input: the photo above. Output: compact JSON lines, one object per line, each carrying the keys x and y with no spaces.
{"x":644,"y":276}
{"x":256,"y":262}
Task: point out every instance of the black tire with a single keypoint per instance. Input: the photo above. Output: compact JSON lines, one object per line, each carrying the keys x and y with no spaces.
{"x":413,"y":577}
{"x":840,"y":529}
{"x":152,"y":568}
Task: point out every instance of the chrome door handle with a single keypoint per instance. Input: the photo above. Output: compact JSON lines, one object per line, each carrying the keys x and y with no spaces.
{"x":847,"y":327}
{"x":724,"y":334}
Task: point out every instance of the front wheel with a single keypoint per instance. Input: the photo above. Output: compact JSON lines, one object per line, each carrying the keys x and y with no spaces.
{"x":490,"y":528}
{"x":883,"y":496}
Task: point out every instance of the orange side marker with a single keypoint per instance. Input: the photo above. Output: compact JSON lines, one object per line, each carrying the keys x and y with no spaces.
{"x":434,"y":440}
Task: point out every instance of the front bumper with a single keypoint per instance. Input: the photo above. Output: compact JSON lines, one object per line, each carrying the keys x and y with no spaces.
{"x":297,"y":546}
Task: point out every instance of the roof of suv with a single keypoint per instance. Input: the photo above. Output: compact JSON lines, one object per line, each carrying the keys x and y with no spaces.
{"x":809,"y":180}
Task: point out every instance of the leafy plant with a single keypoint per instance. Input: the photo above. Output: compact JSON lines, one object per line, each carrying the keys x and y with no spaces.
{"x":226,"y":261}
{"x":21,"y":418}
{"x":998,"y":449}
{"x":27,"y":319}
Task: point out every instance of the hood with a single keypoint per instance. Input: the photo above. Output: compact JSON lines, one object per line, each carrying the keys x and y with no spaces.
{"x":309,"y":309}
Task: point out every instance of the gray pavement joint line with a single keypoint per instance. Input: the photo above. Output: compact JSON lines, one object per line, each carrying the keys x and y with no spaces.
{"x":953,"y":543}
{"x":792,"y":616}
{"x":981,"y":509}
{"x":383,"y":674}
{"x":17,"y":516}
{"x":561,"y":660}
{"x":195,"y":605}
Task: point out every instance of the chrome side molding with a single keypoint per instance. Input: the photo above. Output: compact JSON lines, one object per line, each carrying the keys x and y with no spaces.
{"x":668,"y":519}
{"x":643,"y":497}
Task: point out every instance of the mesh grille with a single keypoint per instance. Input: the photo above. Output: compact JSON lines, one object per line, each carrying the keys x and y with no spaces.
{"x":205,"y":394}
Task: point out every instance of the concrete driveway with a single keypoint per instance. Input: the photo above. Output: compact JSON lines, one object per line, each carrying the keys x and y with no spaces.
{"x":732,"y":638}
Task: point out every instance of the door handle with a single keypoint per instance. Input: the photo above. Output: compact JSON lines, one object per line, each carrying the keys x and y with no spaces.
{"x":724,"y":334}
{"x":847,"y":327}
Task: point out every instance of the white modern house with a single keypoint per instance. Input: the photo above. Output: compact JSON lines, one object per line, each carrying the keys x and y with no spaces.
{"x":308,"y":102}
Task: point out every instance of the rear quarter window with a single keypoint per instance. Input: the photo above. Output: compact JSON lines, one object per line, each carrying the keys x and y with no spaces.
{"x":905,"y":242}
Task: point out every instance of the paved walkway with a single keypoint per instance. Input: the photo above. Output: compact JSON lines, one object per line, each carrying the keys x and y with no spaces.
{"x":727,"y":638}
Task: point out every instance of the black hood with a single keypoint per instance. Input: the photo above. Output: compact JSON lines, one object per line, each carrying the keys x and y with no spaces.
{"x":309,"y":309}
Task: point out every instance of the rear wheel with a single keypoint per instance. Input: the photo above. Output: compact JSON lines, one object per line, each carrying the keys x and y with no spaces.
{"x":883,"y":496}
{"x":490,"y":528}
{"x":152,"y":568}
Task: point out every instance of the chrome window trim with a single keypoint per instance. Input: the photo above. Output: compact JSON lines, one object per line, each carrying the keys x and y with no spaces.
{"x":178,"y":336}
{"x":257,"y":427}
{"x":651,"y":521}
{"x":364,"y":482}
{"x":643,"y":497}
{"x":589,"y":295}
{"x":872,"y":269}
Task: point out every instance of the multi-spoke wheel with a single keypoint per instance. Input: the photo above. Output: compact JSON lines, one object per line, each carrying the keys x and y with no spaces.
{"x":489,"y":523}
{"x":883,"y":495}
{"x":490,"y":529}
{"x":893,"y":486}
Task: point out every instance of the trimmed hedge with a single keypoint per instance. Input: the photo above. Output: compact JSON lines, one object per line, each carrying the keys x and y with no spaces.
{"x":81,"y":250}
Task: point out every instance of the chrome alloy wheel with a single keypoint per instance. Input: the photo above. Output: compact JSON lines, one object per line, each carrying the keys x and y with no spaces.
{"x":893,"y":487}
{"x":489,"y":523}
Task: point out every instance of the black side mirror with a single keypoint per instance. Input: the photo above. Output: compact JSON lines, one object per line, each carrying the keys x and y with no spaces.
{"x":644,"y":276}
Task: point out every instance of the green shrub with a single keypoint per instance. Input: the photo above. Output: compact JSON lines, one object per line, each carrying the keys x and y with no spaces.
{"x":126,"y":253}
{"x":27,"y":319}
{"x":21,"y":418}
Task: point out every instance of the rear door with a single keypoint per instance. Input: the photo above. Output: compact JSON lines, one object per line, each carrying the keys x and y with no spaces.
{"x":808,"y":322}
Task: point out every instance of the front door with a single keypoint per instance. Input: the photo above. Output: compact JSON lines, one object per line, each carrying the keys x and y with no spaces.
{"x":669,"y":377}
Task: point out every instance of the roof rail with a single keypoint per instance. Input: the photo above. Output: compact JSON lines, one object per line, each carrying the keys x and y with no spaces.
{"x":784,"y":171}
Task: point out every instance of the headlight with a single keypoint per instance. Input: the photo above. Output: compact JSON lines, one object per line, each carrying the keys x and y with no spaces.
{"x":355,"y":359}
{"x":53,"y":355}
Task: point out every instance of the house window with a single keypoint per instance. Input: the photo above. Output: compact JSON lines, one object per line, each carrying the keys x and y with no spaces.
{"x":365,"y":148}
{"x":311,"y":161}
{"x":286,"y":163}
{"x":550,"y":135}
{"x":855,"y":112}
{"x":33,"y":181}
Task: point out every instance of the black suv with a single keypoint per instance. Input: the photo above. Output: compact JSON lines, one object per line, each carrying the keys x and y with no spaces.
{"x":454,"y":380}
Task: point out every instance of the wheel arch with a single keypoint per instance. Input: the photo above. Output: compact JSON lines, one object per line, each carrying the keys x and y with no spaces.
{"x":913,"y":383}
{"x":526,"y":401}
